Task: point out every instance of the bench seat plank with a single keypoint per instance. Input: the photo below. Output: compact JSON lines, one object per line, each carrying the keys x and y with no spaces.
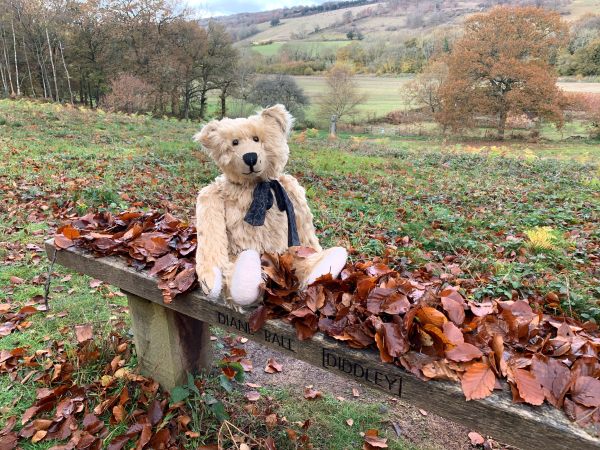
{"x":519,"y":425}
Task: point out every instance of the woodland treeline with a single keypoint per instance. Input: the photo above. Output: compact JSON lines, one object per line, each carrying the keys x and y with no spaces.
{"x":153,"y":56}
{"x":148,"y":53}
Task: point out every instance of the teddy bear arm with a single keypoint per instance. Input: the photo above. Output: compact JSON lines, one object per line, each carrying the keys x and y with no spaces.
{"x":304,"y":217}
{"x":212,"y":253}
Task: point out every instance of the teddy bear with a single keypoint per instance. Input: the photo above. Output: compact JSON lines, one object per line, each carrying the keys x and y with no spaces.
{"x":254,"y":207}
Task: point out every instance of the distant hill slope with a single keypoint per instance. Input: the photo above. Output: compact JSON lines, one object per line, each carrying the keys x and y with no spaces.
{"x":395,"y":19}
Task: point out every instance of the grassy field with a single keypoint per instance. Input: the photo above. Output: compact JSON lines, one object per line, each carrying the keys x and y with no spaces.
{"x":391,"y":25}
{"x":314,"y":47}
{"x":429,"y":203}
{"x":287,"y":27}
{"x":384,"y":94}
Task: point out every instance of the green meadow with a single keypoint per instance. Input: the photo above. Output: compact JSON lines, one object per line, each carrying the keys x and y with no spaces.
{"x":515,"y":219}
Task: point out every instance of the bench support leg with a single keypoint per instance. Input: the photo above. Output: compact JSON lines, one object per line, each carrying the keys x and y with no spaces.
{"x":169,"y":345}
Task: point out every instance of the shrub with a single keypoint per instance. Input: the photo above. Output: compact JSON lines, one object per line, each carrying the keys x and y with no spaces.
{"x":129,"y":94}
{"x":585,"y":105}
{"x":284,"y":89}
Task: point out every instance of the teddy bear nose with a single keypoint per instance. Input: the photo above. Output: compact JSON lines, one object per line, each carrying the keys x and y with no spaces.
{"x":250,"y":158}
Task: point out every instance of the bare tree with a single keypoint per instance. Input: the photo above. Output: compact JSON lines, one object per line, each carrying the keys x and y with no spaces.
{"x":342,"y":97}
{"x":28,"y":66}
{"x":62,"y":55}
{"x":7,"y":62}
{"x":12,"y":25}
{"x":53,"y":68}
{"x":4,"y":84}
{"x":423,"y":90}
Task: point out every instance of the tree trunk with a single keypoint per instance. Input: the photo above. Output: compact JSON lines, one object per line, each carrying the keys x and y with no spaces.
{"x":223,"y":98}
{"x":186,"y":100}
{"x":52,"y":64}
{"x":4,"y":85}
{"x":81,"y":98}
{"x":66,"y":71}
{"x":28,"y":67}
{"x":502,"y":124}
{"x":7,"y":64}
{"x":42,"y":72}
{"x":12,"y":24}
{"x":202,"y":105}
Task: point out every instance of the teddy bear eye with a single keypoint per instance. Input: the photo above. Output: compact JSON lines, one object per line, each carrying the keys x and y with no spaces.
{"x":255,"y":138}
{"x":235,"y":142}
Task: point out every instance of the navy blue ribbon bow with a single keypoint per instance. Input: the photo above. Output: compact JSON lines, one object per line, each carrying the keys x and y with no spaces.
{"x":262,"y":200}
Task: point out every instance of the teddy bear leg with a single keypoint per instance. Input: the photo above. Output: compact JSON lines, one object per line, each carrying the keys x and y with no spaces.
{"x":330,"y":261}
{"x":246,"y":278}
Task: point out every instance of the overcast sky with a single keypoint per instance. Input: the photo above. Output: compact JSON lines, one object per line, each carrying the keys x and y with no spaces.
{"x":208,"y":8}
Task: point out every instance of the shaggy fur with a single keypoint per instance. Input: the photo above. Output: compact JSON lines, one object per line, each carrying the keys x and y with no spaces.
{"x":221,"y":206}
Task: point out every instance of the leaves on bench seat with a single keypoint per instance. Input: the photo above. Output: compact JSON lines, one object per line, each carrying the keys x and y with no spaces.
{"x":161,"y":243}
{"x":415,"y":319}
{"x":423,"y":324}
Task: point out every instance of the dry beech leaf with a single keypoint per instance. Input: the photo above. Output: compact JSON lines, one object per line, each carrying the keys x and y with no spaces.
{"x":529,"y":387}
{"x":252,"y":396}
{"x":478,"y":381}
{"x":84,"y":333}
{"x":311,"y":394}
{"x":427,"y":314}
{"x":16,"y":280}
{"x":453,"y":333}
{"x":476,"y":438}
{"x":463,"y":353}
{"x":586,"y":391}
{"x":372,"y":440}
{"x":273,"y":366}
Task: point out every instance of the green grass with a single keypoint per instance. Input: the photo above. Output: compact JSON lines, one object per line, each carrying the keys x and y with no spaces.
{"x":333,"y":413}
{"x":314,"y":47}
{"x":472,"y":201}
{"x":383,"y":93}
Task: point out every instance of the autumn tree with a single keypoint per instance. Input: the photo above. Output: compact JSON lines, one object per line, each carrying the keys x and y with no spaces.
{"x":217,"y":66}
{"x":341,"y":97}
{"x":501,"y":66}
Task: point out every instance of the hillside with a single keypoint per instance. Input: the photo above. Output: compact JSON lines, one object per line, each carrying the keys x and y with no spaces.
{"x":391,"y":20}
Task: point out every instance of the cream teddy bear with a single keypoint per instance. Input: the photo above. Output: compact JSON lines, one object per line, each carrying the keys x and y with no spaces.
{"x":252,"y":208}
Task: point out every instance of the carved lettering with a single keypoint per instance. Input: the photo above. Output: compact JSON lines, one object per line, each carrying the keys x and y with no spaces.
{"x":361,"y":373}
{"x":281,"y":341}
{"x":232,"y":322}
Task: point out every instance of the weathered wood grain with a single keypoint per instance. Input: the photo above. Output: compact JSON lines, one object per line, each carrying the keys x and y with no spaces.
{"x":521,"y":425}
{"x":169,"y":344}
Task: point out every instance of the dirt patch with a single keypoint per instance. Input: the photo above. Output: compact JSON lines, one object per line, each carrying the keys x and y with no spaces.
{"x":424,"y":431}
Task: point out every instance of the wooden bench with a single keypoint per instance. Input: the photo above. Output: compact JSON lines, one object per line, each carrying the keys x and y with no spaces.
{"x":173,"y":339}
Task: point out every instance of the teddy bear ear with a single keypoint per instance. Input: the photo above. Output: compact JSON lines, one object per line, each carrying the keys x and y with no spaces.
{"x":281,"y":116}
{"x":207,"y":134}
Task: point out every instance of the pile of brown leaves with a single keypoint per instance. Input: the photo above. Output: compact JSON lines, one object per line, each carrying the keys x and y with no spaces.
{"x":420,"y":323}
{"x":162,"y":242}
{"x":74,"y":413}
{"x":415,"y":320}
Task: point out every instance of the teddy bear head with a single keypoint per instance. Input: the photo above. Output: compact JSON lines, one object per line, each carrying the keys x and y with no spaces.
{"x":249,"y":150}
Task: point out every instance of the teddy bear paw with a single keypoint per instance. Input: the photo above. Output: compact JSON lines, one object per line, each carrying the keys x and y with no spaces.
{"x":246,"y":279}
{"x":333,"y":262}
